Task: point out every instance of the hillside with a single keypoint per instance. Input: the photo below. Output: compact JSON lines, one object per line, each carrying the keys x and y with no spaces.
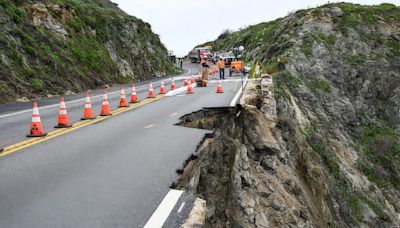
{"x":58,"y":46}
{"x":331,"y":156}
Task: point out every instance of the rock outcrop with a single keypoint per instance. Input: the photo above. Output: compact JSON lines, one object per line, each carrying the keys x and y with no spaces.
{"x":50,"y":47}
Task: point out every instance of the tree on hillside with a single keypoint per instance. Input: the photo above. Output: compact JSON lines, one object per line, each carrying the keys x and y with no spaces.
{"x":224,"y":34}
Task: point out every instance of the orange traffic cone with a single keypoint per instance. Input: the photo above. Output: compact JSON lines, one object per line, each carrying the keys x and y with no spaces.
{"x":173,"y":85}
{"x":63,"y":116}
{"x":123,"y":102}
{"x":189,"y":89}
{"x":36,"y":125}
{"x":134,"y":98}
{"x":88,"y":112}
{"x":105,"y":109}
{"x":185,"y":83}
{"x":192,"y":80}
{"x":219,"y":88}
{"x":162,"y":88}
{"x":151,"y":91}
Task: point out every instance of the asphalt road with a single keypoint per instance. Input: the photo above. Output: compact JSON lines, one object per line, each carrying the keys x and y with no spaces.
{"x":110,"y":174}
{"x":15,"y":118}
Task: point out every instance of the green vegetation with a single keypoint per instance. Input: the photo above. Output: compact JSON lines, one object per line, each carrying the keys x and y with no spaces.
{"x":284,"y":80}
{"x":263,"y":38}
{"x":291,"y":81}
{"x":308,"y":42}
{"x":328,"y":156}
{"x":75,"y":24}
{"x":377,"y":209}
{"x":382,"y":147}
{"x":322,"y":85}
{"x":17,"y":14}
{"x":355,"y":59}
{"x":354,"y":205}
{"x":395,"y":46}
{"x":317,"y":12}
{"x":42,"y":60}
{"x":327,"y":39}
{"x":37,"y":84}
{"x":343,"y":51}
{"x":355,"y":202}
{"x":358,"y":15}
{"x":271,"y":68}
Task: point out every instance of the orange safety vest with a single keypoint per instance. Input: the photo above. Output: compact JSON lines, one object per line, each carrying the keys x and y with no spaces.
{"x":221,"y":64}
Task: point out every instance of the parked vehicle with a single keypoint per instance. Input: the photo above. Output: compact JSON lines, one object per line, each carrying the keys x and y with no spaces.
{"x":197,"y":54}
{"x":228,"y":57}
{"x":237,"y":67}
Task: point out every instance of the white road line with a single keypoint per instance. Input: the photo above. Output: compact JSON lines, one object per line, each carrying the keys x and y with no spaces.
{"x":181,"y":207}
{"x":236,"y":97}
{"x":179,"y":90}
{"x":225,"y":80}
{"x":173,"y":114}
{"x":234,"y":89}
{"x":233,"y":80}
{"x":77,"y":100}
{"x":149,"y":126}
{"x":164,"y":209}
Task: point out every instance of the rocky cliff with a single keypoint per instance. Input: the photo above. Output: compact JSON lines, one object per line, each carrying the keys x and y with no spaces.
{"x":54,"y":46}
{"x":320,"y":146}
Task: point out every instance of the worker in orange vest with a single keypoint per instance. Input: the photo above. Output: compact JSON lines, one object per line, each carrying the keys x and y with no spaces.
{"x":221,"y":67}
{"x":204,"y":63}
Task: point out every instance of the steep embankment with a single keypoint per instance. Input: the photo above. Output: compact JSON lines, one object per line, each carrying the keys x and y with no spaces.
{"x":330,"y":157}
{"x":50,"y":47}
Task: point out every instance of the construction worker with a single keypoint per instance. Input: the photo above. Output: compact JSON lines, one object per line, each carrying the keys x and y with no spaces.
{"x":204,"y":63}
{"x":221,"y":67}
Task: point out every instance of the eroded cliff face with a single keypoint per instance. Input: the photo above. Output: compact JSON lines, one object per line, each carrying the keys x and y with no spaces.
{"x":51,"y":47}
{"x":262,"y":168}
{"x":321,"y":147}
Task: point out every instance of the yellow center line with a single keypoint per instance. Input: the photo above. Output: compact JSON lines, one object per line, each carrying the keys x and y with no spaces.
{"x":33,"y":141}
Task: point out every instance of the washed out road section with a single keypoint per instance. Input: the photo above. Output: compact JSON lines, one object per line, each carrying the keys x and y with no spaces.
{"x":111,"y":174}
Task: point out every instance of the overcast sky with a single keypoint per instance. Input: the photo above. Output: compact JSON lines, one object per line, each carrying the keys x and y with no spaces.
{"x":182,"y":24}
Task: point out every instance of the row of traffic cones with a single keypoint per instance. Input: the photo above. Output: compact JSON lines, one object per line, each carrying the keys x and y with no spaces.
{"x":151,"y":93}
{"x":105,"y":108}
{"x":213,"y":71}
{"x":37,"y":130}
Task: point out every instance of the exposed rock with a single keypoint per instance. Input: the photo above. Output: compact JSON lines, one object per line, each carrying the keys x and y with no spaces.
{"x":22,"y":99}
{"x":57,"y":46}
{"x":41,"y":17}
{"x":322,"y":141}
{"x":335,"y":11}
{"x":278,"y":205}
{"x":68,"y":92}
{"x":196,"y":216}
{"x":269,"y":162}
{"x":262,"y":220}
{"x":304,"y":214}
{"x":123,"y":66}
